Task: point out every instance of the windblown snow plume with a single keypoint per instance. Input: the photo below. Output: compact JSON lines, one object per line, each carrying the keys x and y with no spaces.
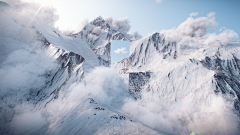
{"x":119,"y":24}
{"x":79,"y":27}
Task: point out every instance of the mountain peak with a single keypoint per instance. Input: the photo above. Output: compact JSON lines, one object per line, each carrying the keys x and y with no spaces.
{"x":123,"y":60}
{"x":98,"y":18}
{"x":155,"y":34}
{"x":98,"y":21}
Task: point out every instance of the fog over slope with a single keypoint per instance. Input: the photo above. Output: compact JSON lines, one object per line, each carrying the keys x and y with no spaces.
{"x":182,"y":80}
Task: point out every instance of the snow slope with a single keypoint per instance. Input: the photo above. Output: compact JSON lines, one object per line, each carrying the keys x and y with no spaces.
{"x":194,"y":86}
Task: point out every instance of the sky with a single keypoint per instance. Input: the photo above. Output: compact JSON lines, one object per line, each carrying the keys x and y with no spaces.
{"x":119,"y":50}
{"x":146,"y":16}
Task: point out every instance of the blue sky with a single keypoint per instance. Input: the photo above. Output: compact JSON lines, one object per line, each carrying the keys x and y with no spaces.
{"x":118,"y":45}
{"x":146,"y":16}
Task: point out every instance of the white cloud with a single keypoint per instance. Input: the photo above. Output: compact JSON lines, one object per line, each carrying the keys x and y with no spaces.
{"x":194,"y":14}
{"x":194,"y":27}
{"x":211,"y":14}
{"x":193,"y":33}
{"x":121,"y":51}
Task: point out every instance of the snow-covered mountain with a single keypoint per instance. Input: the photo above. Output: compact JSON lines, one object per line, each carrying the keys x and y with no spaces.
{"x":122,"y":66}
{"x":149,"y":54}
{"x":98,"y":34}
{"x":57,"y":84}
{"x":147,"y":48}
{"x":194,"y":79}
{"x":33,"y":109}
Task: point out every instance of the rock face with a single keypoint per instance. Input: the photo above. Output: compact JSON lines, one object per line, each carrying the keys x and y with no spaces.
{"x":70,"y":70}
{"x":99,"y":34}
{"x":138,"y":82}
{"x":122,"y":66}
{"x":144,"y":50}
{"x":227,"y":76}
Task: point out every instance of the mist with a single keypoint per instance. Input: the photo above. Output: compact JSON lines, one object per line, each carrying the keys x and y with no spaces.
{"x":23,"y":63}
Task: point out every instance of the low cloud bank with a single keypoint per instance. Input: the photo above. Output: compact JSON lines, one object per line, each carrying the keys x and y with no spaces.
{"x":28,"y":123}
{"x":184,"y":117}
{"x":22,"y":61}
{"x":103,"y":83}
{"x":24,"y":64}
{"x":198,"y":114}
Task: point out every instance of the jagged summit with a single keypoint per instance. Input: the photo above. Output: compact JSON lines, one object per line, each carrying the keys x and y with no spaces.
{"x":98,"y":35}
{"x":100,"y":22}
{"x":122,"y":65}
{"x":123,"y":60}
{"x":98,"y":18}
{"x":151,"y":49}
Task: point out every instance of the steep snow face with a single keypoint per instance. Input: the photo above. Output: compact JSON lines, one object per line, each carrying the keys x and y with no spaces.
{"x":122,"y":66}
{"x":70,"y":70}
{"x":226,"y":65}
{"x":92,"y":43}
{"x":92,"y":107}
{"x":192,"y":86}
{"x":190,"y":76}
{"x":32,"y":76}
{"x":77,"y":46}
{"x":189,"y":95}
{"x":144,"y":51}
